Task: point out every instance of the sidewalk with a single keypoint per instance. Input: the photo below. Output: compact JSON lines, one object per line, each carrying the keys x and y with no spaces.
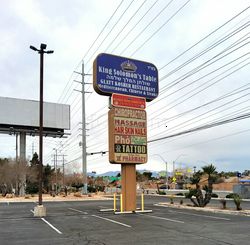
{"x":211,"y":209}
{"x":49,"y":198}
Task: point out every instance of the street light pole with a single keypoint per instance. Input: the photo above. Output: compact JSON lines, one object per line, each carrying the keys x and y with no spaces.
{"x":181,"y":155}
{"x":41,"y":51}
{"x":41,"y":128}
{"x":166,"y":167}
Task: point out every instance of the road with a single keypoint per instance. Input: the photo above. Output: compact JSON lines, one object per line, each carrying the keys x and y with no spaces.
{"x":83,"y":223}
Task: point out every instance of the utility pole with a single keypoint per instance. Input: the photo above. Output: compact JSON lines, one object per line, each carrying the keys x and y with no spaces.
{"x":54,"y":156}
{"x":63,"y":170}
{"x":55,"y":166}
{"x":56,"y":170}
{"x":84,"y":146}
{"x":32,"y":148}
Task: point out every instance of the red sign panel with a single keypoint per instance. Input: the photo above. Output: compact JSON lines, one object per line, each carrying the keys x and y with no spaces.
{"x":120,"y":100}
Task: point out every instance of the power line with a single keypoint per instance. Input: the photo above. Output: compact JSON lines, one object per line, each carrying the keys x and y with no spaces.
{"x":205,"y":64}
{"x":207,"y":86}
{"x":100,"y":33}
{"x":111,"y":30}
{"x":208,"y":35}
{"x":125,"y":25}
{"x":244,"y":116}
{"x":165,"y":23}
{"x":207,"y":141}
{"x":231,"y":93}
{"x":130,"y":30}
{"x":150,"y":22}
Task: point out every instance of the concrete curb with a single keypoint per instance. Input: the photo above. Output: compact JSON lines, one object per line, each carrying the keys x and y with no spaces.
{"x":213,"y":198}
{"x":206,"y":209}
{"x":34,"y":200}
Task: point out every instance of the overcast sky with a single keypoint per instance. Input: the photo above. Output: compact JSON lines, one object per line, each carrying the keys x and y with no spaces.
{"x":200,"y":47}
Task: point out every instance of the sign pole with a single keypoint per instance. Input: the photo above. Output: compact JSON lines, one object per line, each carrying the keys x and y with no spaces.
{"x":129,"y":186}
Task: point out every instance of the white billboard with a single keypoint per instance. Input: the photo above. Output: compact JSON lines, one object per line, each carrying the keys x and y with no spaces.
{"x":25,"y":113}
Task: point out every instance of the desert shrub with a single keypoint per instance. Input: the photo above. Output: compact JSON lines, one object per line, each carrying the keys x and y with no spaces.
{"x":180,"y":194}
{"x":161,"y":192}
{"x":214,"y":195}
{"x":237,"y":201}
{"x":231,"y":195}
{"x":224,"y":203}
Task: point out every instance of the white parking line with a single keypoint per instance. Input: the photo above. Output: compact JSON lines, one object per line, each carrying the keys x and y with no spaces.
{"x":157,"y":217}
{"x":102,"y":207}
{"x":78,"y":211}
{"x":110,"y":220}
{"x":200,"y":215}
{"x":53,"y":227}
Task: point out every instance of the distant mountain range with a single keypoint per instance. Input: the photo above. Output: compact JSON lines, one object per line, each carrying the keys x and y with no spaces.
{"x":114,"y":173}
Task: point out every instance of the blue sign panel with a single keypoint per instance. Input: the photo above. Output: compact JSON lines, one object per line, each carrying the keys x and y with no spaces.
{"x":121,"y":75}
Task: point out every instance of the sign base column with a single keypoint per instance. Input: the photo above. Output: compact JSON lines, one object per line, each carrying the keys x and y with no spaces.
{"x":128,"y":174}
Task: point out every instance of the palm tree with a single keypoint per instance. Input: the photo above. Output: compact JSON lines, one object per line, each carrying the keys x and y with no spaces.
{"x":210,"y":170}
{"x":196,"y":178}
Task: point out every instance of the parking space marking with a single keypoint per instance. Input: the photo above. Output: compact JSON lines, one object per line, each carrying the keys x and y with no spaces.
{"x":78,"y":211}
{"x":53,"y":227}
{"x":157,"y":217}
{"x":200,"y":215}
{"x":110,"y":220}
{"x":50,"y":225}
{"x":102,"y":207}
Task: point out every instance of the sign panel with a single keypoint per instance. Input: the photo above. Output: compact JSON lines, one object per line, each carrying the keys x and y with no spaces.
{"x":120,"y":100}
{"x":127,"y":135}
{"x":22,"y":113}
{"x":115,"y":74}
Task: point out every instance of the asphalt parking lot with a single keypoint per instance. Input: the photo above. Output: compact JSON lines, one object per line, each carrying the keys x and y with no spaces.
{"x":83,"y":223}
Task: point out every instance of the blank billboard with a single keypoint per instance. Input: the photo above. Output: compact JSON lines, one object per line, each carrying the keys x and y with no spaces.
{"x":25,"y":113}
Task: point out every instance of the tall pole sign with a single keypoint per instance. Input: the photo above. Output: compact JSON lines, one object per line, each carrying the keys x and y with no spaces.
{"x":130,"y":83}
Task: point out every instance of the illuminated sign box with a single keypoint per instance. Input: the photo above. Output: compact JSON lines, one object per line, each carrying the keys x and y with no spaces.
{"x":121,"y":75}
{"x":120,"y":100}
{"x":127,"y":136}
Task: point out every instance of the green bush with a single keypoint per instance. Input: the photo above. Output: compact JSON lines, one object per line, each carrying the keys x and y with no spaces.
{"x":237,"y":201}
{"x":231,"y":195}
{"x":171,"y":200}
{"x":91,"y":189}
{"x":180,"y":194}
{"x":31,"y":189}
{"x":224,"y":203}
{"x":95,"y":188}
{"x":214,"y":195}
{"x":192,"y":192}
{"x":162,"y":193}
